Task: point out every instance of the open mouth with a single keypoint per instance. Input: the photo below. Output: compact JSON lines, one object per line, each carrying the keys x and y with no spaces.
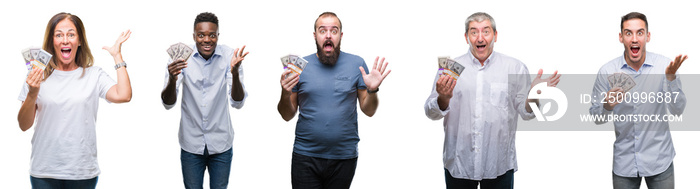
{"x":634,"y":49}
{"x":328,"y":46}
{"x":481,"y":47}
{"x":65,"y":52}
{"x":207,"y":47}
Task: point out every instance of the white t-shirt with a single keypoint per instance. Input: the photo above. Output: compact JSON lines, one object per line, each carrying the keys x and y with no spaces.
{"x":64,"y":145}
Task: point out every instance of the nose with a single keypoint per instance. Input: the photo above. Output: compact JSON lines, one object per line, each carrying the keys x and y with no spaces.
{"x":634,"y":38}
{"x":206,"y":39}
{"x":328,"y":35}
{"x":480,"y":37}
{"x":64,"y":39}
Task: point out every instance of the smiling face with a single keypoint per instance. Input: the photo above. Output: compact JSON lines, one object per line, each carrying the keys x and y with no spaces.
{"x":328,"y":35}
{"x":481,"y":37}
{"x":634,"y":37}
{"x":205,"y":36}
{"x":66,"y":42}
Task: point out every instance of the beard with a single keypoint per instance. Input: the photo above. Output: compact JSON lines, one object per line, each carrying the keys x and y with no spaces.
{"x":328,"y":60}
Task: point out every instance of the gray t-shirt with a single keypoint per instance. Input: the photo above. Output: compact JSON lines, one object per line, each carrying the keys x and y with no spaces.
{"x":327,"y":96}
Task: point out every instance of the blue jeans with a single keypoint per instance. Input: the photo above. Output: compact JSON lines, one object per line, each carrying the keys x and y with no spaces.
{"x":504,"y":181}
{"x":48,"y":183}
{"x":193,"y":166}
{"x":318,"y":173}
{"x":664,"y":180}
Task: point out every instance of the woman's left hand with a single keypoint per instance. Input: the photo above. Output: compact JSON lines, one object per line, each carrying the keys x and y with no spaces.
{"x":116,"y":49}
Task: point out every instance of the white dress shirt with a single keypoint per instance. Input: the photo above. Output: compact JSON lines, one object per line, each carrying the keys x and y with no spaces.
{"x":205,"y":118}
{"x":641,"y":148}
{"x":481,"y":119}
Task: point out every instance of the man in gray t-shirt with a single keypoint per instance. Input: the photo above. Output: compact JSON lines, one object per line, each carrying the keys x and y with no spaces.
{"x":325,"y":146}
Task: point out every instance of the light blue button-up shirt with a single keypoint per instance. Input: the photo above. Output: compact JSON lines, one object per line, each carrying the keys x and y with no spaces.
{"x":205,"y":118}
{"x":642,"y":147}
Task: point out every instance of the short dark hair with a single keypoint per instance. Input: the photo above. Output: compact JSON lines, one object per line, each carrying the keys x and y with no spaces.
{"x":634,"y":15}
{"x":325,"y":14}
{"x":206,"y":17}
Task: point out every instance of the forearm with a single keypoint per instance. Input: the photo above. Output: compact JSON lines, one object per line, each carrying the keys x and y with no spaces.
{"x":27,"y":113}
{"x":237,"y":93}
{"x":123,"y":82}
{"x":528,"y":109}
{"x":369,"y":104}
{"x":169,"y":94}
{"x":285,"y":107}
{"x":443,"y":102}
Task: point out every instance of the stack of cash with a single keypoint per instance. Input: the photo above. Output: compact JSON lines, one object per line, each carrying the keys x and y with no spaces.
{"x":36,"y":58}
{"x":294,"y":63}
{"x":179,"y":51}
{"x":621,"y":80}
{"x":449,"y":67}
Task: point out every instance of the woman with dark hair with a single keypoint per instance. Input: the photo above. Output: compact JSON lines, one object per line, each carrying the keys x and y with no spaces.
{"x":63,"y":99}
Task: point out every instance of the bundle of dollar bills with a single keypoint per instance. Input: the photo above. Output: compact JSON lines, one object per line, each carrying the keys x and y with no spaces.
{"x":35,"y":57}
{"x":621,"y":80}
{"x":179,"y":50}
{"x":449,"y":67}
{"x":294,"y":63}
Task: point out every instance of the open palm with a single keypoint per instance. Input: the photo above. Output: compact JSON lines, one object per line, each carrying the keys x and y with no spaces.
{"x":376,"y":74}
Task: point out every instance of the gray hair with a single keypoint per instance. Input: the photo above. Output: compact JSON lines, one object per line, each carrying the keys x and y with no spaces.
{"x":479,"y":17}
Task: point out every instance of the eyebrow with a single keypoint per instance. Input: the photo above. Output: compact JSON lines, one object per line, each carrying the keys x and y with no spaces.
{"x":626,"y":30}
{"x":58,"y":30}
{"x":332,"y":27}
{"x":487,"y":27}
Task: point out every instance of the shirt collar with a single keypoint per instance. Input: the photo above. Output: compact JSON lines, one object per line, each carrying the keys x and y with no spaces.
{"x":217,"y":52}
{"x":624,"y":65}
{"x":476,"y":62}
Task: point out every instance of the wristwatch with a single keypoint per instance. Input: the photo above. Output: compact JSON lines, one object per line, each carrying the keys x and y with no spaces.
{"x":373,"y":91}
{"x":117,"y":66}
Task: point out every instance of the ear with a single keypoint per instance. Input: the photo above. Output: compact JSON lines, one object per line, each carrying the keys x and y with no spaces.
{"x":648,"y":36}
{"x":466,"y":38}
{"x":194,"y":37}
{"x":495,"y":36}
{"x":341,"y":35}
{"x":620,"y":37}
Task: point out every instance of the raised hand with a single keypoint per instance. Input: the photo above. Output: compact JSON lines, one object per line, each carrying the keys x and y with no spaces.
{"x":237,"y":58}
{"x":116,"y":49}
{"x":34,"y":80}
{"x":376,"y":75}
{"x":444,"y":86}
{"x":552,"y":81}
{"x":175,"y":68}
{"x":673,"y":67}
{"x":613,"y":97}
{"x":288,"y":83}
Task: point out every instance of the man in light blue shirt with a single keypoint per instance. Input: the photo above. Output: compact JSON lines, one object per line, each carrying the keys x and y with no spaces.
{"x":643,"y":147}
{"x":213,"y":78}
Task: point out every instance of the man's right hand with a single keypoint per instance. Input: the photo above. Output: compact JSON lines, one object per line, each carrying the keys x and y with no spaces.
{"x":613,"y":97}
{"x":444,"y":87}
{"x":176,"y":67}
{"x":288,"y":83}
